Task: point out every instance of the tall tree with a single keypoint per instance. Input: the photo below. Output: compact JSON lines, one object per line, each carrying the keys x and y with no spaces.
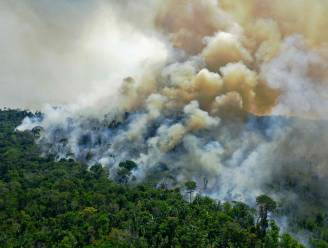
{"x":190,"y":188}
{"x":265,"y":204}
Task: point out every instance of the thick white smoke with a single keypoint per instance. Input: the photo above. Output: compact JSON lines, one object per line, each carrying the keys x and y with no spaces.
{"x":301,"y":75}
{"x":64,"y":52}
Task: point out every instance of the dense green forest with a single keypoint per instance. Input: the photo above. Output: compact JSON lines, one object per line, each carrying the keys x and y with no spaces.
{"x":44,"y":203}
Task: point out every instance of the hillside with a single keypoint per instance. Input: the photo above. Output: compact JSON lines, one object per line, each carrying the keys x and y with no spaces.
{"x":64,"y":204}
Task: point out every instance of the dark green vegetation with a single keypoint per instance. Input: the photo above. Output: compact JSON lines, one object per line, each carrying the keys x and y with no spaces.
{"x":64,"y":204}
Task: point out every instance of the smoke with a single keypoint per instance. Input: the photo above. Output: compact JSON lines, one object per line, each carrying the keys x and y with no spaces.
{"x":233,"y":93}
{"x":301,"y":75}
{"x":64,"y":52}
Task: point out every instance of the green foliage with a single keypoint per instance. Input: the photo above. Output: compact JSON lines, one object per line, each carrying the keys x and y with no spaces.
{"x":190,"y":185}
{"x":267,"y":202}
{"x":289,"y":242}
{"x":190,"y":188}
{"x":128,"y":165}
{"x":272,"y":236}
{"x":66,"y":204}
{"x":125,"y":171}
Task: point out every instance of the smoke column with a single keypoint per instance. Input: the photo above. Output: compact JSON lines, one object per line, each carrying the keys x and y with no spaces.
{"x":232,"y":91}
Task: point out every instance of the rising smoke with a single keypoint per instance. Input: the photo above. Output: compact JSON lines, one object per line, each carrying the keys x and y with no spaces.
{"x":232,"y":91}
{"x":63,"y":52}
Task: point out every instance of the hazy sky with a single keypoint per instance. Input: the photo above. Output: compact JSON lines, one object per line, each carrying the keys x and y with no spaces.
{"x":57,"y":51}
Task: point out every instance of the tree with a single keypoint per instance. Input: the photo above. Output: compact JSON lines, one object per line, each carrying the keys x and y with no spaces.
{"x":272,"y":236}
{"x":99,"y":171}
{"x":190,"y":188}
{"x":44,"y":203}
{"x":205,"y":182}
{"x":265,"y":205}
{"x":287,"y":241}
{"x":125,"y":170}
